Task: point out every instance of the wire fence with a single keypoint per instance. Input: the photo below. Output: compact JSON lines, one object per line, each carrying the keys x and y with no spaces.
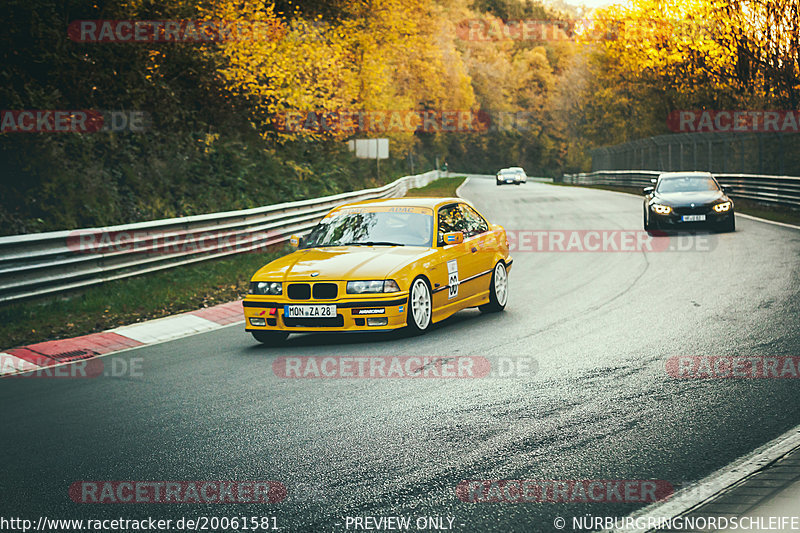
{"x":716,"y":152}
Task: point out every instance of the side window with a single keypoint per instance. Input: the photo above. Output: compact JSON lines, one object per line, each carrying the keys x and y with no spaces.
{"x":451,"y":218}
{"x":475,"y":223}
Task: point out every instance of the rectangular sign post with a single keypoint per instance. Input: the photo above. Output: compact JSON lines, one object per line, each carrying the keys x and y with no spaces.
{"x":376,"y":149}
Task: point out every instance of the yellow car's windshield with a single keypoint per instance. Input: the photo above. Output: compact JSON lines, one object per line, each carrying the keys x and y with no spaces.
{"x":373,"y":228}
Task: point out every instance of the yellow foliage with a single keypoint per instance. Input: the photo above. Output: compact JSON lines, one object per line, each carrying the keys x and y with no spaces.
{"x":379,"y":55}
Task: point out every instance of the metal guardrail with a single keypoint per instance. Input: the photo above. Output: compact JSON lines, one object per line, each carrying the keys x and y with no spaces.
{"x":776,"y":190}
{"x":45,"y":263}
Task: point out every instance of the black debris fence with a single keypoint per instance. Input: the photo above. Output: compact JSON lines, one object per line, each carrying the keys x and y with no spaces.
{"x":774,"y":153}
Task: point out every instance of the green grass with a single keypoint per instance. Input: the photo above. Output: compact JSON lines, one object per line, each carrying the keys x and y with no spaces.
{"x":126,"y":301}
{"x":748,"y":207}
{"x":442,"y":187}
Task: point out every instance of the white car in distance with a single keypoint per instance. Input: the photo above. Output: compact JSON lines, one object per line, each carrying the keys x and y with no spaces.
{"x":513,"y":175}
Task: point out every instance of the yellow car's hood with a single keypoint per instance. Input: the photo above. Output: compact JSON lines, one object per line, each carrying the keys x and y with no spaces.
{"x":340,"y":263}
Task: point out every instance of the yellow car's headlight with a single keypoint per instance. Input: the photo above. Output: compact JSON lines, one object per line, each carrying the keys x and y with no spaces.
{"x":662,"y":209}
{"x":391,"y":285}
{"x":721,"y":208}
{"x":368,"y":287}
{"x":273,"y":288}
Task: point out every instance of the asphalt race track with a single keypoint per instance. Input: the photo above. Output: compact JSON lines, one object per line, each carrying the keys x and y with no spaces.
{"x":598,"y":326}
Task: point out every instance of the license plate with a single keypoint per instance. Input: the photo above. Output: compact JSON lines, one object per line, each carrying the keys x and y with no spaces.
{"x":309,"y":311}
{"x":693,"y":218}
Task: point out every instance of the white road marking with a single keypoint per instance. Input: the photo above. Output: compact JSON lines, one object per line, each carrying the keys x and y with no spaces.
{"x":720,"y":481}
{"x":458,"y":191}
{"x":774,"y":223}
{"x":165,"y":329}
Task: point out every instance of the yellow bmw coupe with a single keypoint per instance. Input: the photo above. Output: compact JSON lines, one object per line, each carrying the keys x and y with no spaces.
{"x":382,"y":265}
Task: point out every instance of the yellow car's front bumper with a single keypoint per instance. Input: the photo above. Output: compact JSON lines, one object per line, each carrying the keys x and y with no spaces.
{"x":352,"y":314}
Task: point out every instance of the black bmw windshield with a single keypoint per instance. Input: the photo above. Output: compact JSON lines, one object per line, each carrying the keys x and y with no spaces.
{"x":687,"y":184}
{"x":373,"y":228}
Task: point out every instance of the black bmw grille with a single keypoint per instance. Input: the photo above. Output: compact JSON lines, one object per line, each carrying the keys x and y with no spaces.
{"x":325,"y":291}
{"x":686,"y":210}
{"x":299,"y":291}
{"x":321,"y":291}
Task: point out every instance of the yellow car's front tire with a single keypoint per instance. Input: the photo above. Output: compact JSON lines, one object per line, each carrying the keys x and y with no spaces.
{"x":420,"y":306}
{"x":270,"y":338}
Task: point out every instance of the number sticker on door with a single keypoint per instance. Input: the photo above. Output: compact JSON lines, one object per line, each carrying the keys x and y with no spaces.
{"x":452,"y":281}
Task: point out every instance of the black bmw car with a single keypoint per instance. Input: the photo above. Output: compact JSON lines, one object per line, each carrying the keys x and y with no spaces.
{"x":687,"y":200}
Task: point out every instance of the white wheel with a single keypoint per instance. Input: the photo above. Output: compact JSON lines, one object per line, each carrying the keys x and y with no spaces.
{"x":498,"y":290}
{"x":420,"y":306}
{"x":501,"y":284}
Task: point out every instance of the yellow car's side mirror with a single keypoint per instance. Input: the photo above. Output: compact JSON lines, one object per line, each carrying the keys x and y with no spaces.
{"x":295,"y":241}
{"x":453,"y":237}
